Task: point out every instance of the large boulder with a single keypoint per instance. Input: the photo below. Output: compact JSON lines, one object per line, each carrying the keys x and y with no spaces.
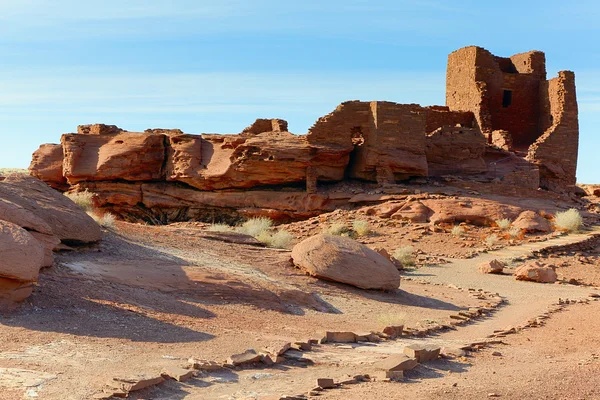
{"x":530,"y":221}
{"x":21,"y":254}
{"x":345,"y":260}
{"x":536,"y":272}
{"x":30,"y":203}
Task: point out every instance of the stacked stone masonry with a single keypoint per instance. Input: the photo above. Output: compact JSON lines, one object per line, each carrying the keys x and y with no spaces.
{"x":496,"y":108}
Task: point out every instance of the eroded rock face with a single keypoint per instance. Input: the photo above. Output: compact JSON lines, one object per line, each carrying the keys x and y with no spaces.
{"x":47,"y":165}
{"x":345,"y":260}
{"x":120,"y":156}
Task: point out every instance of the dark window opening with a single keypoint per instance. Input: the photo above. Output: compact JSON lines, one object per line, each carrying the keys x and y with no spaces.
{"x":506,"y":98}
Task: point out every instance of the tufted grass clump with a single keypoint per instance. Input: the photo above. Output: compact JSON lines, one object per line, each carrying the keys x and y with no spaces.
{"x":457,"y":231}
{"x":391,"y":319}
{"x":220,"y":228}
{"x":515,"y":232}
{"x":107,"y":220}
{"x":568,"y":221}
{"x":255,"y":226}
{"x":82,"y":199}
{"x":405,"y":256}
{"x":337,"y":229}
{"x":504,"y":223}
{"x":491,"y":240}
{"x":281,"y":239}
{"x":361,"y":228}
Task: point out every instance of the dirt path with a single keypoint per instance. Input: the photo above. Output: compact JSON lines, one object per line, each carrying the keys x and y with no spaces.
{"x":525,"y":300}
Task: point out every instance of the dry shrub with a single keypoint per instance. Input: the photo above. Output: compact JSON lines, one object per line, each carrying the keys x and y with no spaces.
{"x":107,"y":220}
{"x":82,"y":199}
{"x":568,"y":221}
{"x":458,"y":231}
{"x":504,"y":223}
{"x":492,"y":240}
{"x":220,"y":228}
{"x":405,"y":256}
{"x":255,"y":226}
{"x":12,"y":171}
{"x":281,"y":239}
{"x":391,"y":319}
{"x":361,"y":228}
{"x":337,"y":229}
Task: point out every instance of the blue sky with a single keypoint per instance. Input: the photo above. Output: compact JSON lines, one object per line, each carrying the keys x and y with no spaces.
{"x":216,"y":66}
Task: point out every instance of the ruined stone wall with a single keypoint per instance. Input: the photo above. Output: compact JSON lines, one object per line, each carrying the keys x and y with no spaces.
{"x":438,"y":116}
{"x":555,"y":152}
{"x":456,"y":150}
{"x":395,"y":145}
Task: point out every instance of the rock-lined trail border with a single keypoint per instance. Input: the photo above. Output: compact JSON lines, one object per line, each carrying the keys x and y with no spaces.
{"x":517,"y":305}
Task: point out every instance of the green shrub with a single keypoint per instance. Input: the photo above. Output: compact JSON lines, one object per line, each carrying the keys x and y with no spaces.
{"x":458,"y":231}
{"x":361,"y":228}
{"x":405,"y":256}
{"x":82,"y":199}
{"x":255,"y":226}
{"x":568,"y":221}
{"x":504,"y":223}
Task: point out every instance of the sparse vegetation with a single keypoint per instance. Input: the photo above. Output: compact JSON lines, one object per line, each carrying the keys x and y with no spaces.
{"x":280,"y":239}
{"x":491,"y":240}
{"x":568,"y":221}
{"x":391,"y":319}
{"x":458,"y":231}
{"x":107,"y":220}
{"x":82,"y":199}
{"x":255,"y":226}
{"x":220,"y":228}
{"x":515,"y":232}
{"x":337,"y":229}
{"x":361,"y":228}
{"x":10,"y":171}
{"x":405,"y":256}
{"x":504,"y":223}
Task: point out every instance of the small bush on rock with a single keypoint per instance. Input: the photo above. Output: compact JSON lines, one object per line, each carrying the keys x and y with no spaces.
{"x":568,"y":221}
{"x":405,"y":256}
{"x":504,"y":223}
{"x":361,"y":228}
{"x":82,"y":199}
{"x":515,"y":232}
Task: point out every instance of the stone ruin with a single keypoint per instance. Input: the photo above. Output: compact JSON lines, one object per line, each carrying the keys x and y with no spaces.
{"x":503,"y":123}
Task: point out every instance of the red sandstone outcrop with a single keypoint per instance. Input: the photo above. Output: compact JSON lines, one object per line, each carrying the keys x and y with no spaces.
{"x":345,"y":260}
{"x":478,"y":212}
{"x":47,"y":165}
